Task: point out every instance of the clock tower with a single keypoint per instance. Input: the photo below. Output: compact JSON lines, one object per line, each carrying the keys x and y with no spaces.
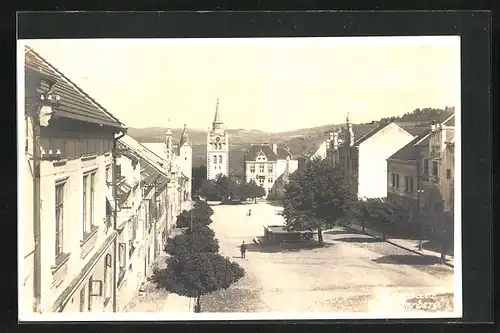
{"x":217,"y":148}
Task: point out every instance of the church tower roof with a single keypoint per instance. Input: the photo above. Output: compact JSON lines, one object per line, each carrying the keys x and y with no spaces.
{"x":217,"y":119}
{"x":169,"y":131}
{"x":184,"y":137}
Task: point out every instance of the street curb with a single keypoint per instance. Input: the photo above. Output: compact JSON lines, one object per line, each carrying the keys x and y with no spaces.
{"x":397,"y":245}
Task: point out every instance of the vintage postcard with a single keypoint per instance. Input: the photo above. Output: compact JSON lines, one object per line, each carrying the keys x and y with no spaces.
{"x":251,"y":178}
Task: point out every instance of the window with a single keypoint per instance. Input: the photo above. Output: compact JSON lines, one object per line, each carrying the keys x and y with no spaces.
{"x":270,"y":168}
{"x":86,"y":227}
{"x":88,"y":202}
{"x":59,"y":219}
{"x":215,"y":159}
{"x":448,"y":173}
{"x":425,"y":170}
{"x":252,"y":168}
{"x":261,"y":180}
{"x":220,"y":159}
{"x":397,"y":181}
{"x":393,"y":180}
{"x":220,"y":146}
{"x":108,"y":263}
{"x":109,"y":176}
{"x":90,"y":293}
{"x":408,"y":184}
{"x":435,"y":168}
{"x":261,"y":168}
{"x":122,"y":258}
{"x":82,"y":299}
{"x":270,"y":180}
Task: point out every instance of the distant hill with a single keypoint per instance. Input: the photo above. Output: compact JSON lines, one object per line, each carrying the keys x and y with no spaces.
{"x":300,"y":142}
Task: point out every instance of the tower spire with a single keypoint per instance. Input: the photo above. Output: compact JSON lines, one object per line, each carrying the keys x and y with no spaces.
{"x":169,"y":131}
{"x":184,"y":137}
{"x":217,"y":124}
{"x":217,"y":114}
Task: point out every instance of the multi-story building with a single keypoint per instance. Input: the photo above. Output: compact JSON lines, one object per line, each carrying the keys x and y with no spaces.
{"x":98,"y":205}
{"x":142,"y":216}
{"x":264,"y":163}
{"x":69,"y":241}
{"x":410,"y":174}
{"x":365,"y":159}
{"x":217,"y":148}
{"x":437,"y":179}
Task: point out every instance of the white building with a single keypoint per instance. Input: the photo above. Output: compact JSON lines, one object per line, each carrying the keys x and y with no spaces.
{"x":365,"y":159}
{"x":264,"y":163}
{"x":217,"y":148}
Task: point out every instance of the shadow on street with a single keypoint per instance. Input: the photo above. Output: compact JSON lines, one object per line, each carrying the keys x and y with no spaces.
{"x":338,"y":232}
{"x":435,"y":246}
{"x":407,"y":259}
{"x":359,"y":240}
{"x":285,"y":247}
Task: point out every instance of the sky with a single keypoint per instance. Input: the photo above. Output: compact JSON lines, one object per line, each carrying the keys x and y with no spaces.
{"x":268,"y":84}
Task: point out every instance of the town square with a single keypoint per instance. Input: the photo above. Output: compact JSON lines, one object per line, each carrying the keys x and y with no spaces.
{"x":237,"y":177}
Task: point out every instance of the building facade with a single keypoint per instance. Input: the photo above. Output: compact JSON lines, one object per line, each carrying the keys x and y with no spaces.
{"x":365,"y":159}
{"x":437,"y":179}
{"x":98,"y":205}
{"x":217,"y":148}
{"x":69,"y":235}
{"x":420,"y":175}
{"x":265,"y":163}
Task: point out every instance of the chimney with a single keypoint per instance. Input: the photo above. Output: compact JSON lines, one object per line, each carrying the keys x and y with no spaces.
{"x":275,"y":148}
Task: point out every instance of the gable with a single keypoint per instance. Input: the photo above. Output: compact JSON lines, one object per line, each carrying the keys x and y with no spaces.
{"x":74,"y":103}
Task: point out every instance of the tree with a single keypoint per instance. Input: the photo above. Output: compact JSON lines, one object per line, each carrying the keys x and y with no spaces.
{"x":198,"y":274}
{"x":209,"y":190}
{"x":316,"y":197}
{"x":200,"y":213}
{"x":382,"y":215}
{"x":250,"y":190}
{"x":196,"y":240}
{"x":226,"y":187}
{"x":199,"y":176}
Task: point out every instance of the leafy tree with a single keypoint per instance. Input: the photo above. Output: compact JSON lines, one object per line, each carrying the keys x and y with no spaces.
{"x":199,"y":176}
{"x":226,"y":187}
{"x":197,"y":274}
{"x":317,"y":197}
{"x":196,"y":240}
{"x":250,"y":190}
{"x":200,"y":213}
{"x":382,"y":215}
{"x":209,"y":190}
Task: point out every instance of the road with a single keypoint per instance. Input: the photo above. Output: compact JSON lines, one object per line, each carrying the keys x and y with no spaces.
{"x":352,"y":273}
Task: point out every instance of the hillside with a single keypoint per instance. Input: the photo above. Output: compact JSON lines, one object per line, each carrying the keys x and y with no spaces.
{"x":300,"y":141}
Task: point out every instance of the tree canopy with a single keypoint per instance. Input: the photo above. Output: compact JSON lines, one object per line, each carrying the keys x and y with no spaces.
{"x":197,"y":240}
{"x":200,"y":214}
{"x":317,"y":196}
{"x":198,"y":274}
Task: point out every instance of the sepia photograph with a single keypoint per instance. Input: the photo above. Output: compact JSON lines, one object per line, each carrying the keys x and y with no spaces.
{"x":239,"y":178}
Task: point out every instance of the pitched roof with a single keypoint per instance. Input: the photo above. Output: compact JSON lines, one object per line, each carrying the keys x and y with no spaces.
{"x":253,"y":152}
{"x":217,"y":113}
{"x":74,"y":102}
{"x":370,"y":133}
{"x":184,"y":137}
{"x":153,"y":168}
{"x":283,"y":153}
{"x":450,"y":121}
{"x":410,"y":150}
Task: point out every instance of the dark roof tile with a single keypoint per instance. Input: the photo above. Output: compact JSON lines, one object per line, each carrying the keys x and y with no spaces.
{"x":74,"y":103}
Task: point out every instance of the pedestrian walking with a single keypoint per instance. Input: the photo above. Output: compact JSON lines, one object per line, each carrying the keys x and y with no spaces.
{"x":243,"y":249}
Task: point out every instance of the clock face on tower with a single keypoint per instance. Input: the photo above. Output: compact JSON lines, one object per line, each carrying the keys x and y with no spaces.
{"x":217,"y":139}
